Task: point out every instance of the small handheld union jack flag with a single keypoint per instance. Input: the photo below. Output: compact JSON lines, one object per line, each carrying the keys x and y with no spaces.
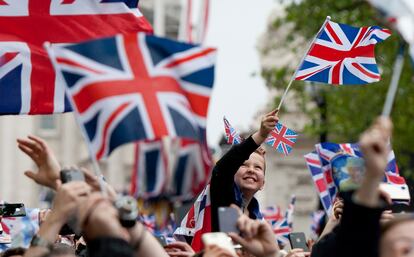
{"x":232,"y":135}
{"x":282,"y":139}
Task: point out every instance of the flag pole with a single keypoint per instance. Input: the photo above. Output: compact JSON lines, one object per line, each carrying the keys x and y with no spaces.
{"x":328,"y":18}
{"x":95,"y":165}
{"x":392,"y":89}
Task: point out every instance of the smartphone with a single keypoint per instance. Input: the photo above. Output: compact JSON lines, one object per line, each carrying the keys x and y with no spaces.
{"x":161,"y":240}
{"x":68,"y":175}
{"x":220,"y":239}
{"x":227,"y":218}
{"x":12,"y":210}
{"x":298,"y":240}
{"x":396,"y":192}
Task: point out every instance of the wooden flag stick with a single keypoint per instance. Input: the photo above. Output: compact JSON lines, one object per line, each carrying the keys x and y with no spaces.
{"x":328,"y":18}
{"x":392,"y":89}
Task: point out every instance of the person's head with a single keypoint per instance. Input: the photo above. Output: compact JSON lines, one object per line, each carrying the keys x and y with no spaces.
{"x":14,"y":252}
{"x":250,"y":176}
{"x":397,"y":237}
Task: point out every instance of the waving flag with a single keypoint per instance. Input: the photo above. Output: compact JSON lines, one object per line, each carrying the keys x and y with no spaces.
{"x":151,"y":169}
{"x":232,"y":136}
{"x":320,"y":179}
{"x":272,"y":213}
{"x":342,"y":54}
{"x":198,"y":220}
{"x":27,"y":80}
{"x":136,"y":86}
{"x":282,"y":139}
{"x":320,"y":165}
{"x":284,"y":226}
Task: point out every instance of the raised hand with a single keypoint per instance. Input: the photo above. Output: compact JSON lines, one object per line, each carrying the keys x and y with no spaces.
{"x":258,"y":237}
{"x":267,"y":124}
{"x":48,"y":167}
{"x":374,"y":146}
{"x":179,"y":249}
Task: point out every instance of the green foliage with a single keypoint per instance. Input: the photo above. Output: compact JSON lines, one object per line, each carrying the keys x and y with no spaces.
{"x":350,"y":109}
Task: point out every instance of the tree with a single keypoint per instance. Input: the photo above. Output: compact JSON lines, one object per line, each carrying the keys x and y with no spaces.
{"x":350,"y":109}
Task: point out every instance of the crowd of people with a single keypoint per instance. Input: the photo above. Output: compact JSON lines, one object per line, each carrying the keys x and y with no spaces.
{"x":360,"y":225}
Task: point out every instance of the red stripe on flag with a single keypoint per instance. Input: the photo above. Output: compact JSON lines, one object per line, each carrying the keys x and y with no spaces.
{"x":321,"y":185}
{"x":333,"y":34}
{"x":191,"y":57}
{"x":106,"y":128}
{"x":3,"y":2}
{"x":312,"y":161}
{"x":72,"y":63}
{"x":7,"y":57}
{"x":363,"y":71}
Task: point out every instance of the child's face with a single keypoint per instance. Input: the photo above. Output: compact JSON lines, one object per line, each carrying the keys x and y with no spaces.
{"x":250,"y":175}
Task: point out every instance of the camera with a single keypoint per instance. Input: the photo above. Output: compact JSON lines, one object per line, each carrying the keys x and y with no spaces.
{"x":68,"y":175}
{"x":128,"y":211}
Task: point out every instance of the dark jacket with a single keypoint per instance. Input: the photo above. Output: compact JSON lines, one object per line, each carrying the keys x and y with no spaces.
{"x":109,"y":247}
{"x":357,"y":234}
{"x":223,"y":190}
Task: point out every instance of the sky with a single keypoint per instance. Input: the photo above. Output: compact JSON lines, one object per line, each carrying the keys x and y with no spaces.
{"x":234,"y":28}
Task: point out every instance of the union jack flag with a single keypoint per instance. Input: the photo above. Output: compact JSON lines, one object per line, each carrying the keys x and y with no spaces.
{"x":232,"y":136}
{"x":192,"y":169}
{"x":320,"y":179}
{"x":136,"y":86}
{"x":342,"y":54}
{"x":282,"y":139}
{"x":284,"y":226}
{"x":151,"y":169}
{"x":272,"y":213}
{"x":198,"y":220}
{"x":319,"y":164}
{"x":28,"y":83}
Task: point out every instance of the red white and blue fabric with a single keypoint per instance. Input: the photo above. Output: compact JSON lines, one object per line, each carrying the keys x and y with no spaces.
{"x":322,"y":171}
{"x":282,"y":139}
{"x":272,"y":213}
{"x":284,"y":226}
{"x":343,"y":54}
{"x":28,"y":83}
{"x":192,"y":169}
{"x":149,"y":221}
{"x":320,"y":180}
{"x":150,"y":173}
{"x":198,"y":220}
{"x":136,"y":86}
{"x":232,"y":136}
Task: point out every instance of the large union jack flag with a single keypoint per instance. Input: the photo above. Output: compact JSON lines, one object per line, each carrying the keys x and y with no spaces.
{"x":28,"y":83}
{"x":137,"y":86}
{"x":282,"y":139}
{"x":343,"y":54}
